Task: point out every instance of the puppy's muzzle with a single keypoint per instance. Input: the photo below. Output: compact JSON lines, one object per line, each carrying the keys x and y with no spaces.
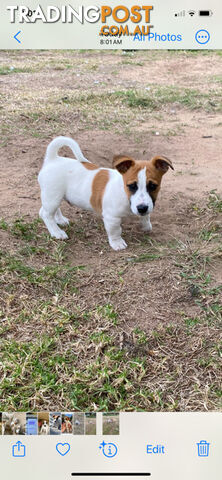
{"x":142,"y":209}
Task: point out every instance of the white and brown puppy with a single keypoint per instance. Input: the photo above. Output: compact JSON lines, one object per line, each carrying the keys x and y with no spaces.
{"x":44,"y":428}
{"x":130,"y":187}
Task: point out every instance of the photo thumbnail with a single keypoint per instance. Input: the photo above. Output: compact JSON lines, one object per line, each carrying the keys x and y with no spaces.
{"x":67,"y":423}
{"x":111,"y":423}
{"x":90,"y":423}
{"x":55,"y":422}
{"x":43,"y":423}
{"x":13,"y":423}
{"x":79,"y":423}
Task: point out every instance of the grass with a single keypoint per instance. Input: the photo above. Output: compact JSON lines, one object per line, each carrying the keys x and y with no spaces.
{"x":88,"y":103}
{"x":62,"y":348}
{"x":159,"y":96}
{"x":217,"y":78}
{"x":144,"y":257}
{"x":215,"y":201}
{"x":100,"y":108}
{"x":9,"y":70}
{"x":156,"y":97}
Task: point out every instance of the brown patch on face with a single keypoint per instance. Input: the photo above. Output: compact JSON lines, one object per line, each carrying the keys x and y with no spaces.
{"x":89,"y":166}
{"x":152,"y":175}
{"x":155,"y":169}
{"x":130,"y":168}
{"x":98,"y":187}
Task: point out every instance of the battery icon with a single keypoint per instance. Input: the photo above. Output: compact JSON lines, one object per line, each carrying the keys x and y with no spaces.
{"x":205,"y":13}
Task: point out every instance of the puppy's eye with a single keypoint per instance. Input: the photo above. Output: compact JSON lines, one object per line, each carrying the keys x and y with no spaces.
{"x":132,"y":187}
{"x":151,"y":186}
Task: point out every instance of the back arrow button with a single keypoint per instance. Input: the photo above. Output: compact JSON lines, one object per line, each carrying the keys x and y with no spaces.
{"x":16,"y":35}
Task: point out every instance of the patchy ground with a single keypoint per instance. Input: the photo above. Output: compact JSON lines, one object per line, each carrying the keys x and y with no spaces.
{"x":110,"y":424}
{"x":90,"y":424}
{"x":83,"y":327}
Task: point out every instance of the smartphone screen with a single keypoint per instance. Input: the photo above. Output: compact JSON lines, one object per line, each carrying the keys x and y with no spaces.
{"x":31,"y":424}
{"x":110,"y":240}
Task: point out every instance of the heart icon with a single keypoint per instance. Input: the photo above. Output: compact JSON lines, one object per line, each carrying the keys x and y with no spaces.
{"x":63,"y":448}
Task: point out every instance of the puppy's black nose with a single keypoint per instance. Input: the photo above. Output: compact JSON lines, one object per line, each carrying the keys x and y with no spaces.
{"x":142,"y":209}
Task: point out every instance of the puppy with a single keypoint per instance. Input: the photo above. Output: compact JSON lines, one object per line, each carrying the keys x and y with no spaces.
{"x":130,"y":187}
{"x":68,"y":428}
{"x":15,"y":426}
{"x":56,"y":422}
{"x":44,"y":428}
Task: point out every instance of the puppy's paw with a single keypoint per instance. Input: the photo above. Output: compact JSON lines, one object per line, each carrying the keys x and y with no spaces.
{"x":147,"y":227}
{"x":63,"y":221}
{"x":119,"y":244}
{"x":60,"y":235}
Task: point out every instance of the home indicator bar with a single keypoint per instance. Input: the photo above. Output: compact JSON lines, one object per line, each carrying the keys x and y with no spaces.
{"x":138,"y":474}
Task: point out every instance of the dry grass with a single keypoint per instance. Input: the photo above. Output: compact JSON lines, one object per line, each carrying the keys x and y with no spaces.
{"x":90,"y":424}
{"x":63,"y":340}
{"x":111,"y":105}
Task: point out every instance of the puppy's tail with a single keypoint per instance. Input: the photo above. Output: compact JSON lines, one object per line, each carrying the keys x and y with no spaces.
{"x":59,"y":142}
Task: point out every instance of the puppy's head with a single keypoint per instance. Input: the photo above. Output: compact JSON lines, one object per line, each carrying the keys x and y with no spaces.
{"x":142,"y":180}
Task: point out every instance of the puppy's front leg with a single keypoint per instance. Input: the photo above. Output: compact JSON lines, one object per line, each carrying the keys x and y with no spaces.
{"x":146,"y":223}
{"x":114,"y":230}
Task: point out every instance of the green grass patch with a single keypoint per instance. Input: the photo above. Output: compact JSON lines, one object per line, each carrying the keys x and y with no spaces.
{"x":22,"y":229}
{"x":215,"y":202}
{"x":158,"y":96}
{"x":3,"y":224}
{"x":144,"y":257}
{"x":151,"y":100}
{"x":54,"y":277}
{"x":10,"y":70}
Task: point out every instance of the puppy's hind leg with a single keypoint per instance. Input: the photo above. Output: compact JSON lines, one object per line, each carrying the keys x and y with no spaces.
{"x":60,"y":219}
{"x":49,"y":220}
{"x":47,"y":213}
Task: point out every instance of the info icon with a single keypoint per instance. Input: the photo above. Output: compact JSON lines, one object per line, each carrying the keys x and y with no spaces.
{"x":109,"y":450}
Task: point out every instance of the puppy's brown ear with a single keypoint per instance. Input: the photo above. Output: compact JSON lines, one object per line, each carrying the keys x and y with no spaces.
{"x":122,"y":163}
{"x":162,"y":163}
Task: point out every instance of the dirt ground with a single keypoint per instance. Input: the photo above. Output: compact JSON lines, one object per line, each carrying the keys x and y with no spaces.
{"x":79,"y":423}
{"x":136,"y":329}
{"x":110,"y":424}
{"x":90,"y":425}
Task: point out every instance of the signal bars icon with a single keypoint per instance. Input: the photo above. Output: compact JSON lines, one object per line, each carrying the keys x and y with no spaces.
{"x":180,"y":14}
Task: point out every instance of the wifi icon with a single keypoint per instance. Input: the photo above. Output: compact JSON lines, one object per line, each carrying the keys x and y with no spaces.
{"x":191,"y":13}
